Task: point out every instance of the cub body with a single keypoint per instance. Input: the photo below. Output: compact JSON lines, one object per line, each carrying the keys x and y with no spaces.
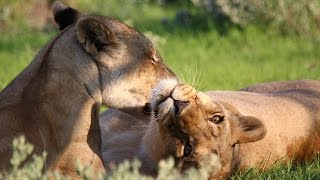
{"x":245,"y":129}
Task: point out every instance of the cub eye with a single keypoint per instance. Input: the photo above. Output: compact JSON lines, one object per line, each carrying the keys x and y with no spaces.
{"x":187,"y":150}
{"x":217,"y":119}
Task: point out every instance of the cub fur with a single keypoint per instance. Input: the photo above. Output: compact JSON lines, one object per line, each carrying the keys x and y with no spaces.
{"x":54,"y":101}
{"x":278,"y":123}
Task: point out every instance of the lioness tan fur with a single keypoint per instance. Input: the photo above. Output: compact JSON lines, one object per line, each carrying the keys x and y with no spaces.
{"x":274,"y":122}
{"x":54,"y":101}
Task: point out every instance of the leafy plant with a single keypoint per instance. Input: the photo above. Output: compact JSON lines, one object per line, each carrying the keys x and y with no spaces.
{"x":30,"y":170}
{"x":301,"y":17}
{"x":36,"y":169}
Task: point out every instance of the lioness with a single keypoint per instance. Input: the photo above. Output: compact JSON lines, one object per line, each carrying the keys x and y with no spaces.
{"x":244,"y":129}
{"x":54,"y":101}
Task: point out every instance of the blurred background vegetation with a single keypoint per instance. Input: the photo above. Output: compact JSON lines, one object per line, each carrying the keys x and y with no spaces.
{"x":212,"y":44}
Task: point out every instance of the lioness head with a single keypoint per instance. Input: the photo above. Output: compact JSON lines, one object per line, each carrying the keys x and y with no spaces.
{"x":194,"y":127}
{"x":128,"y":64}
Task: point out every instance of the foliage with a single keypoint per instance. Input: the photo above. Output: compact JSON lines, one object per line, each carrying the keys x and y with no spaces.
{"x":126,"y":170}
{"x":34,"y":169}
{"x":301,"y":17}
{"x":13,"y":13}
{"x":31,"y":170}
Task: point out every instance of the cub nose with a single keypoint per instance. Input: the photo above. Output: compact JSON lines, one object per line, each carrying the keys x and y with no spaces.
{"x":179,"y":106}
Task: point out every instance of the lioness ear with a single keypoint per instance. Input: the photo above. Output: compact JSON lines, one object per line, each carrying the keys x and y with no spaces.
{"x":64,"y":15}
{"x":247,"y":129}
{"x":94,"y":35}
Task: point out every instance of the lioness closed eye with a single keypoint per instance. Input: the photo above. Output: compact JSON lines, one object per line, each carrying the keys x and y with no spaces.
{"x":54,"y":102}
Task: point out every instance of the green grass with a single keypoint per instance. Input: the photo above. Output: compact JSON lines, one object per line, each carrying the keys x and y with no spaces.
{"x":309,"y":171}
{"x":240,"y":58}
{"x":207,"y":59}
{"x":202,"y":54}
{"x":17,"y":50}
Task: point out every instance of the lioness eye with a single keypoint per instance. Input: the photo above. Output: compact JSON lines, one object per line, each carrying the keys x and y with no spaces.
{"x":217,"y":119}
{"x":187,"y":150}
{"x":154,"y":60}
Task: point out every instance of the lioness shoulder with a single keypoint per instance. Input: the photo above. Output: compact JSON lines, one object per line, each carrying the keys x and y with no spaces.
{"x":54,"y":102}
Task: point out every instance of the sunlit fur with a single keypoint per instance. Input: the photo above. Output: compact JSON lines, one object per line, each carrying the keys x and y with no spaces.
{"x":193,"y":125}
{"x":212,"y":144}
{"x":286,"y":112}
{"x":54,"y":102}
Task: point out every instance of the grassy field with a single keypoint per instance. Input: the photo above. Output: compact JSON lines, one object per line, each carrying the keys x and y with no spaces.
{"x":208,"y":59}
{"x":201,"y":53}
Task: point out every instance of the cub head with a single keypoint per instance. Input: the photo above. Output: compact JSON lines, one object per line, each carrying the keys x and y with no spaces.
{"x":128,"y":65}
{"x":195,"y":128}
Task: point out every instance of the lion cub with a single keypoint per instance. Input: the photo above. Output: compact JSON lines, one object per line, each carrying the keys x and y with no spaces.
{"x":255,"y":128}
{"x":191,"y":126}
{"x":185,"y":124}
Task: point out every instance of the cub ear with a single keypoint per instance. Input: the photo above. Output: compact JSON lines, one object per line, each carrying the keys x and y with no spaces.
{"x":247,"y":129}
{"x":64,"y":15}
{"x":94,"y":36}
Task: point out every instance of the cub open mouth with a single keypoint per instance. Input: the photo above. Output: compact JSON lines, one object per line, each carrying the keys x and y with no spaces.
{"x":179,"y":106}
{"x":147,"y":109}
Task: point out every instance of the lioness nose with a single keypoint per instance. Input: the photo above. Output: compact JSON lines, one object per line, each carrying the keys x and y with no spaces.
{"x":179,"y":106}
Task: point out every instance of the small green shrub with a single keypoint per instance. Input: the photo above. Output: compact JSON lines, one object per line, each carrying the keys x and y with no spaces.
{"x":301,"y":17}
{"x":13,"y":13}
{"x":36,"y":169}
{"x":122,"y":9}
{"x":30,"y":170}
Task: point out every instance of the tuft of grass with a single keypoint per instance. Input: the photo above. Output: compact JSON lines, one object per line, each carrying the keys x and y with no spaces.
{"x":310,"y":171}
